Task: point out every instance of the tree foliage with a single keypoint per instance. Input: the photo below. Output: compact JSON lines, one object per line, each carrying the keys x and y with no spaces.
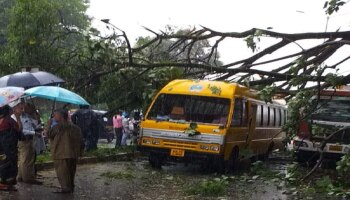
{"x":43,"y":33}
{"x":139,"y":84}
{"x":107,"y":68}
{"x":56,"y":36}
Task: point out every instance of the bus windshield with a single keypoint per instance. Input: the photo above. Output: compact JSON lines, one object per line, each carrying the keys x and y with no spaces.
{"x":336,"y":109}
{"x":189,"y":108}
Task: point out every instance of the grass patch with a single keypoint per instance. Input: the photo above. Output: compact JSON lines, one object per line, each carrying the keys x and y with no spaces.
{"x":118,"y":175}
{"x":211,"y":188}
{"x":99,"y":153}
{"x":44,"y":157}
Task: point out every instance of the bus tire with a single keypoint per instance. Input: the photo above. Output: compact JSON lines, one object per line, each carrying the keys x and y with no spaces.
{"x":215,"y":164}
{"x":267,"y":154}
{"x":155,"y":161}
{"x":233,"y":162}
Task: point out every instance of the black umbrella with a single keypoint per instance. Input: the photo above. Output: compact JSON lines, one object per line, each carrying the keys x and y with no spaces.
{"x":30,"y":79}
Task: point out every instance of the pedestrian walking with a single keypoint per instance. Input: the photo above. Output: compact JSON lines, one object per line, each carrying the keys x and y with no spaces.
{"x":26,"y":151}
{"x":86,"y":120}
{"x":118,"y":128}
{"x":66,"y":146}
{"x":9,"y":135}
{"x":126,"y":130}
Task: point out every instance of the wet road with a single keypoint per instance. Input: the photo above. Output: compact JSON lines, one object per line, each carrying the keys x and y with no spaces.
{"x":136,"y":180}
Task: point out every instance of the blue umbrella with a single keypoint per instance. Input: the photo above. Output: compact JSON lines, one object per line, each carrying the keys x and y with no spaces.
{"x":56,"y":93}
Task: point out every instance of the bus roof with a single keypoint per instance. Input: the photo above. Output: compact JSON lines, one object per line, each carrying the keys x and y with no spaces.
{"x":208,"y":88}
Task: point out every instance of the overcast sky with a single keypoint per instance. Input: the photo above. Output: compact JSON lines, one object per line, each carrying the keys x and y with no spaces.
{"x":290,"y":16}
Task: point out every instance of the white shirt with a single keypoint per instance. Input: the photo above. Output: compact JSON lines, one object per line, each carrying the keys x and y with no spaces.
{"x":27,"y":124}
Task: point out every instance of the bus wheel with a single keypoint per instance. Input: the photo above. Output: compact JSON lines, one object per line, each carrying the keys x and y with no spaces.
{"x":233,"y":162}
{"x":266,"y":156}
{"x":155,"y":161}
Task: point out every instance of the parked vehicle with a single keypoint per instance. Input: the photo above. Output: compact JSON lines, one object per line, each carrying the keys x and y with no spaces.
{"x":331,"y":115}
{"x":210,"y":121}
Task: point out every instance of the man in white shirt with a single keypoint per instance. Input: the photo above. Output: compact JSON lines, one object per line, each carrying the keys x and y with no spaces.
{"x":26,"y":151}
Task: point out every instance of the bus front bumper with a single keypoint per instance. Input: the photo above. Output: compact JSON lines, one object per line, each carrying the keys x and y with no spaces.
{"x":188,"y":154}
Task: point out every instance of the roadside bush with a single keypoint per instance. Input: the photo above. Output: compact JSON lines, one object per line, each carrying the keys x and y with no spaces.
{"x":343,"y":166}
{"x":294,"y":173}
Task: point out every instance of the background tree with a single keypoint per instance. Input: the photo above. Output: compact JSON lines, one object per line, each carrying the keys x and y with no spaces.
{"x":138,"y":84}
{"x":5,"y":5}
{"x":45,"y":33}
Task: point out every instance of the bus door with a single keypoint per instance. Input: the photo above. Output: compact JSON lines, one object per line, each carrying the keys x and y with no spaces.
{"x":252,"y":109}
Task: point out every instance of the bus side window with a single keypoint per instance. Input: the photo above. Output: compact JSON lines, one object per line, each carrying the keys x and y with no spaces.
{"x":258,"y":116}
{"x":274,"y":116}
{"x":245,"y":113}
{"x":262,"y":116}
{"x":266,"y":116}
{"x":239,"y":113}
{"x":278,"y":117}
{"x":283,"y":117}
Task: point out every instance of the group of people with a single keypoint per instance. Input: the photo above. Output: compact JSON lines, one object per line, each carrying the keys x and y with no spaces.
{"x":125,"y":128}
{"x":20,"y":141}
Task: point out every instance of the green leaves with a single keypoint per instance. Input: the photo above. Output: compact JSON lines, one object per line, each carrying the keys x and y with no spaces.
{"x":333,"y":79}
{"x":332,"y":6}
{"x":343,"y":166}
{"x":267,"y":93}
{"x":214,"y":89}
{"x":252,"y":40}
{"x":43,"y":33}
{"x":192,"y":129}
{"x":298,"y":107}
{"x":214,"y":187}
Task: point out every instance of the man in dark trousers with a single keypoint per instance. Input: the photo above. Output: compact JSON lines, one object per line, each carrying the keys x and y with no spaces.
{"x":9,"y":135}
{"x":66,"y":145}
{"x":87,"y":121}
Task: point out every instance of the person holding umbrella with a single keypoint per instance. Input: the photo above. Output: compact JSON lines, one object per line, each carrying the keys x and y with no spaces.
{"x":66,"y":146}
{"x":26,"y":156}
{"x":9,"y":134}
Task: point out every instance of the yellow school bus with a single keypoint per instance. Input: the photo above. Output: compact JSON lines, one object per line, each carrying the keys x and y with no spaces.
{"x":211,"y":121}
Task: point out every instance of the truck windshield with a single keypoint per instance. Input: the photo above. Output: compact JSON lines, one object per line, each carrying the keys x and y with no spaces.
{"x":336,"y":109}
{"x":188,"y":108}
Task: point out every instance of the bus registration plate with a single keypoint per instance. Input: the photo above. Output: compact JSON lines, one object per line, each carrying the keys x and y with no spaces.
{"x":177,"y":152}
{"x":335,"y":148}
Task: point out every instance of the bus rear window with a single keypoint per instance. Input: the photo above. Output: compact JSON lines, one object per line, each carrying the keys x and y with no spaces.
{"x":187,"y":108}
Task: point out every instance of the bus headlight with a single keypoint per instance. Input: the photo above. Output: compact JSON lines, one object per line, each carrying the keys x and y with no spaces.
{"x":156,"y":142}
{"x":204,"y":147}
{"x":146,"y":141}
{"x":214,"y":148}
